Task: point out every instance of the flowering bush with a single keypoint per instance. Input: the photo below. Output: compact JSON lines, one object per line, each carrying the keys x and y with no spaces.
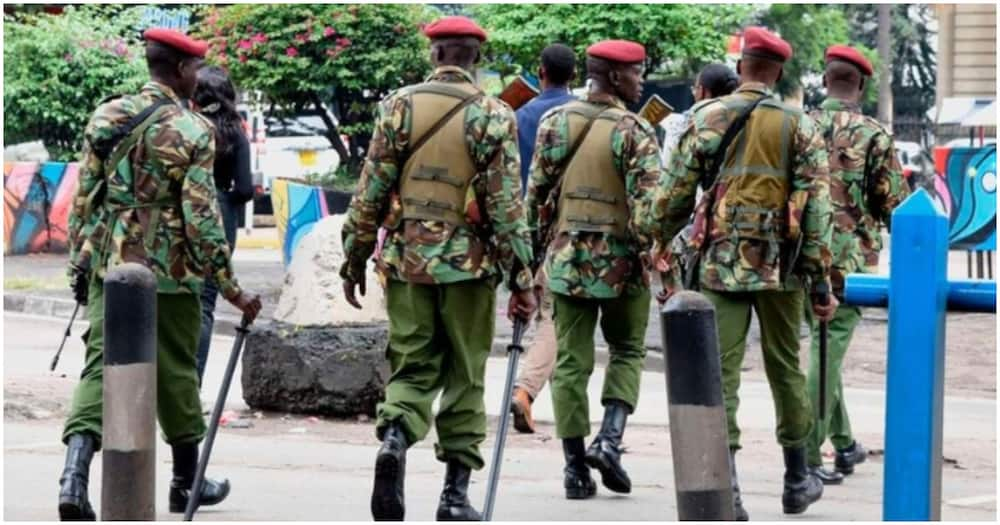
{"x":58,"y":67}
{"x":320,"y":57}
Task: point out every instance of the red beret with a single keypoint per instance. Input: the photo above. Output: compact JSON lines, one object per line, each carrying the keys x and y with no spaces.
{"x":758,"y":41}
{"x":618,"y":51}
{"x":849,"y":54}
{"x":177,"y":40}
{"x":454,"y":26}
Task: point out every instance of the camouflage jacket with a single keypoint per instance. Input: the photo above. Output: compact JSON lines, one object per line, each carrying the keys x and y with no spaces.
{"x":169,"y":175}
{"x":592,"y":264}
{"x":740,"y":266}
{"x":855,"y":142}
{"x":435,"y":252}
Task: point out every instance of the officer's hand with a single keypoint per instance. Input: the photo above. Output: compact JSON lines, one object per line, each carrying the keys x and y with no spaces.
{"x":80,"y":283}
{"x":249,"y":304}
{"x":349,"y":292}
{"x":522,"y":304}
{"x":825,"y":313}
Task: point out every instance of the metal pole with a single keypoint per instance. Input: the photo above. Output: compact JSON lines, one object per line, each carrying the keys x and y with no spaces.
{"x":213,"y":425}
{"x":699,"y":439}
{"x":824,"y":333}
{"x":128,"y":480}
{"x":514,"y":352}
{"x":979,"y":265}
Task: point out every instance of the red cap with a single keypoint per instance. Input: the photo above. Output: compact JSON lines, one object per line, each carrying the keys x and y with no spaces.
{"x":849,"y":54}
{"x":450,"y":26}
{"x":177,"y":40}
{"x":618,"y":51}
{"x":760,"y":42}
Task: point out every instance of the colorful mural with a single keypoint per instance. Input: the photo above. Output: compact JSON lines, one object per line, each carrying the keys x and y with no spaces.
{"x":966,"y":189}
{"x":297,"y":207}
{"x":36,"y":203}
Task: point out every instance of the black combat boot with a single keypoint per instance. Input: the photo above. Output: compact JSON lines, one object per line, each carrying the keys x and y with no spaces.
{"x":801,"y":487}
{"x":390,"y":470}
{"x":828,"y":477}
{"x":604,"y":453}
{"x":848,"y":457}
{"x":454,"y":504}
{"x":576,"y":475}
{"x":73,"y":502}
{"x":739,"y":513}
{"x":185,"y":465}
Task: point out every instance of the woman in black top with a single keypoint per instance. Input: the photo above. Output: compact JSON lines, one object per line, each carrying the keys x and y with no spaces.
{"x":215,"y":98}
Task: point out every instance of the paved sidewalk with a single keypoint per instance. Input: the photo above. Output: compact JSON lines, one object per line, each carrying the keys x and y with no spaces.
{"x":291,"y":468}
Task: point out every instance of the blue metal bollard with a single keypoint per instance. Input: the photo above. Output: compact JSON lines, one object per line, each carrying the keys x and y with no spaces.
{"x":964,"y":295}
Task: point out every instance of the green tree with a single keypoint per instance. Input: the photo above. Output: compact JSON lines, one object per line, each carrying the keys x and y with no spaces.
{"x":678,"y":38}
{"x":914,"y":61}
{"x":810,"y":29}
{"x":322,"y":58}
{"x":58,"y":67}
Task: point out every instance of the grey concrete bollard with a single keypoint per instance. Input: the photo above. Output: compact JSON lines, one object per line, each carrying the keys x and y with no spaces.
{"x":128,"y":481}
{"x":698,"y":435}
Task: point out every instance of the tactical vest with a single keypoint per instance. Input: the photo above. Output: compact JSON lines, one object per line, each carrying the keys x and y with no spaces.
{"x":437,"y":174}
{"x":756,"y":175}
{"x":592,"y":194}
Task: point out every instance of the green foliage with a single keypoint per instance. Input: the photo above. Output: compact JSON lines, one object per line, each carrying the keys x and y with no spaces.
{"x":340,"y":179}
{"x":913,"y":60}
{"x":322,"y":57}
{"x":810,"y":29}
{"x":58,"y":67}
{"x":678,"y":38}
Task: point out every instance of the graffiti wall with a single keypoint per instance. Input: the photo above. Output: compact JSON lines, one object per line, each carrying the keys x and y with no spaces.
{"x":297,"y":207}
{"x":966,"y":188}
{"x":36,"y":203}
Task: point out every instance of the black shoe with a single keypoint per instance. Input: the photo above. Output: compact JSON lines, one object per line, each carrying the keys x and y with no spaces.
{"x":576,"y":474}
{"x":739,"y":513}
{"x":454,"y":504}
{"x":604,"y":453}
{"x":826,"y":476}
{"x":801,"y":488}
{"x":850,"y":456}
{"x":73,"y":502}
{"x":185,"y":464}
{"x":390,"y":471}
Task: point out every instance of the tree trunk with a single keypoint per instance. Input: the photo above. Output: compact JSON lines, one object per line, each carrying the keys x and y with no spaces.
{"x":885,"y":66}
{"x":332,"y":132}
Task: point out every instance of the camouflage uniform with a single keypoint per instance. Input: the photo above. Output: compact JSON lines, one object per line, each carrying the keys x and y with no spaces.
{"x":855,"y":143}
{"x":159,"y":210}
{"x":738,"y":272}
{"x":591,"y":271}
{"x":441,"y":278}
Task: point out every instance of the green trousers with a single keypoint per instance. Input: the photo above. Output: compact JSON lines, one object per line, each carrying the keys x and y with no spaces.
{"x":623,"y":323}
{"x":439,"y":339}
{"x":779,"y":314}
{"x":836,"y":424}
{"x":178,"y":405}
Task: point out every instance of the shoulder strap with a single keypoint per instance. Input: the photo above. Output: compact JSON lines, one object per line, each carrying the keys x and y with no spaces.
{"x":732,"y":131}
{"x":150,"y":115}
{"x":465,"y":102}
{"x":104,"y":148}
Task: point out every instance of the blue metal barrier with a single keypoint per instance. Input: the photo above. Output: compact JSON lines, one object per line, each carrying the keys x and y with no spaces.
{"x":917,"y":294}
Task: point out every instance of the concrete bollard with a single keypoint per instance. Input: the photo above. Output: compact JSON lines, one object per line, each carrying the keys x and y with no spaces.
{"x":699,"y":440}
{"x":128,"y":481}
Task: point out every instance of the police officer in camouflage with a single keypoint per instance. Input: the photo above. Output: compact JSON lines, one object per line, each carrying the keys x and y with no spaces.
{"x":149,"y":198}
{"x":866,"y":184}
{"x":763,"y":231}
{"x":594,"y":167}
{"x":447,"y":155}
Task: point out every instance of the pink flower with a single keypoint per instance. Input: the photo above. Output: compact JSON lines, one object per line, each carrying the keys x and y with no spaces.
{"x":68,"y":57}
{"x":259,"y":38}
{"x":245,"y":44}
{"x":292,"y":52}
{"x":329,"y":31}
{"x":302,"y":38}
{"x":332,"y":53}
{"x":343,"y":42}
{"x":243,"y":59}
{"x":121,"y":49}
